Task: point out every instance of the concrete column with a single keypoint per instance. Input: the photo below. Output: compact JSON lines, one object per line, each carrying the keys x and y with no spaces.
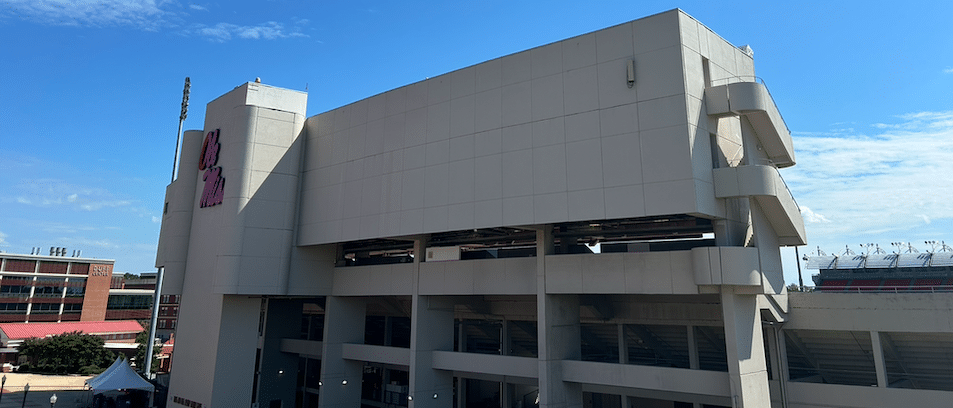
{"x":747,"y":372}
{"x":276,"y":378}
{"x":558,"y":333}
{"x":693,"y":362}
{"x":623,"y":345}
{"x":878,"y":359}
{"x":431,"y":328}
{"x":343,"y":323}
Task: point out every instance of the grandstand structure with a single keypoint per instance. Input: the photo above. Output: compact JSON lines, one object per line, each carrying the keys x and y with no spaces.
{"x":430,"y":246}
{"x":878,"y":271}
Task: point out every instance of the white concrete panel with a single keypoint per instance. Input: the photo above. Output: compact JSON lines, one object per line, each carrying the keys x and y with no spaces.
{"x":373,"y":165}
{"x":563,"y":274}
{"x":374,"y":138}
{"x":487,"y":143}
{"x":488,"y":75}
{"x":358,"y":113}
{"x":416,"y":125}
{"x":437,"y":152}
{"x":376,"y":107}
{"x":581,"y":90}
{"x":488,"y":277}
{"x":518,"y":210}
{"x":683,"y":280}
{"x":412,"y":190}
{"x":411,"y":221}
{"x":688,"y":30}
{"x":517,"y":173}
{"x":654,"y":32}
{"x":671,"y":197}
{"x":516,"y":68}
{"x":462,"y":82}
{"x":613,"y":83}
{"x":458,"y":278}
{"x":438,"y":121}
{"x":274,"y":186}
{"x":462,"y":115}
{"x":586,"y":204}
{"x":438,"y":89}
{"x":487,"y":213}
{"x":353,"y":170}
{"x":579,"y":51}
{"x":259,"y":274}
{"x":395,"y":101}
{"x":614,"y":42}
{"x":488,"y":173}
{"x":462,"y":148}
{"x":436,"y":219}
{"x":582,"y":173}
{"x":264,"y":213}
{"x":488,"y":112}
{"x":548,"y":132}
{"x":461,"y":181}
{"x":342,"y":119}
{"x":370,"y":225}
{"x":417,"y":96}
{"x":436,"y":185}
{"x":625,"y":201}
{"x":603,"y":273}
{"x":547,"y":97}
{"x":722,"y":55}
{"x":390,"y":224}
{"x":521,"y":276}
{"x":391,"y":198}
{"x":460,"y":216}
{"x":620,"y":119}
{"x":666,"y":155}
{"x":517,"y":137}
{"x":546,"y":60}
{"x":582,"y":126}
{"x":621,"y":164}
{"x":549,"y":169}
{"x":415,"y":157}
{"x":550,"y":208}
{"x":352,"y":198}
{"x":338,"y":147}
{"x":694,"y":75}
{"x":657,"y":277}
{"x":371,"y":195}
{"x":659,"y":73}
{"x":517,"y":103}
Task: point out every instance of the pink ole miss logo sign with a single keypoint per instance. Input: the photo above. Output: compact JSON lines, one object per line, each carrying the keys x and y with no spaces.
{"x":214,"y":190}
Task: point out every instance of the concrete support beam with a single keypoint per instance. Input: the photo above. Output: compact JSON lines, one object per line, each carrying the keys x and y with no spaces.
{"x":431,"y":329}
{"x":879,"y":365}
{"x":344,"y":323}
{"x":559,"y":334}
{"x":744,"y":343}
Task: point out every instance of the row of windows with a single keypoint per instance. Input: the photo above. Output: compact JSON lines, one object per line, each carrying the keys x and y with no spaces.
{"x":121,"y":302}
{"x":20,"y":265}
{"x":165,"y":324}
{"x":42,"y":291}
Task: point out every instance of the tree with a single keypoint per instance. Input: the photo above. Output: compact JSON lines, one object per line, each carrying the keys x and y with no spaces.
{"x":66,"y":353}
{"x":794,"y":288}
{"x":142,"y":338}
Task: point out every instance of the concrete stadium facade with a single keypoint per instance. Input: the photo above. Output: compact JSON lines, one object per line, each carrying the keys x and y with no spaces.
{"x":431,"y":246}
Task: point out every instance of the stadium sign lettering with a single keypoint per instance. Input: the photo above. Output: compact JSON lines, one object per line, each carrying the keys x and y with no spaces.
{"x":214,"y":190}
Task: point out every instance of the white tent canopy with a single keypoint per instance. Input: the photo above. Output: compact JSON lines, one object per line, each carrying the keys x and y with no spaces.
{"x":119,"y":376}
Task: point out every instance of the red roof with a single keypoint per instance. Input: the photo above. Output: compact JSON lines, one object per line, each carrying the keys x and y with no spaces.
{"x":19,"y":331}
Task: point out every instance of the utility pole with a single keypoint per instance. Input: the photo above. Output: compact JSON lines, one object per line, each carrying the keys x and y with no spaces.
{"x":182,"y":116}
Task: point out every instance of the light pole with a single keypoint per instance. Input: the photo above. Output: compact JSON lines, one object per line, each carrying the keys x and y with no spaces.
{"x":26,"y":390}
{"x":53,"y":401}
{"x":3,"y":383}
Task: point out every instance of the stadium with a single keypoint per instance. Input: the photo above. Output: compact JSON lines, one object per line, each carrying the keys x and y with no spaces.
{"x":595,"y":222}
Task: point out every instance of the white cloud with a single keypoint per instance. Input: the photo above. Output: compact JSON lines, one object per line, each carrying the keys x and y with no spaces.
{"x":156,"y":219}
{"x":948,"y":70}
{"x":892,"y":184}
{"x":197,"y":7}
{"x":271,"y":30}
{"x":811,"y":216}
{"x":3,"y":240}
{"x":55,"y":192}
{"x":145,"y":14}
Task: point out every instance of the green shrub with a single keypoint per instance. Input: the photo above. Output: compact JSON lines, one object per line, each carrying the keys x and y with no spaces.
{"x":90,"y":370}
{"x":24,"y":368}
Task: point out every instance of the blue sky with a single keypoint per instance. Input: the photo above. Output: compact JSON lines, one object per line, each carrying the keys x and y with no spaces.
{"x":90,"y":103}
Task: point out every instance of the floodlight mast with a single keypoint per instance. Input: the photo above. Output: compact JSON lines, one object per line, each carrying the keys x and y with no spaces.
{"x":182,"y":116}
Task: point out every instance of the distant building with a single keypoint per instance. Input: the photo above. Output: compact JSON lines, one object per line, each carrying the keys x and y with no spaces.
{"x":53,"y":288}
{"x":883,"y":272}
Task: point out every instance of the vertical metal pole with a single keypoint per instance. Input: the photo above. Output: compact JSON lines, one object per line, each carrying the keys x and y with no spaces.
{"x":800,"y":279}
{"x":182,"y":116}
{"x":152,"y":323}
{"x":26,"y":390}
